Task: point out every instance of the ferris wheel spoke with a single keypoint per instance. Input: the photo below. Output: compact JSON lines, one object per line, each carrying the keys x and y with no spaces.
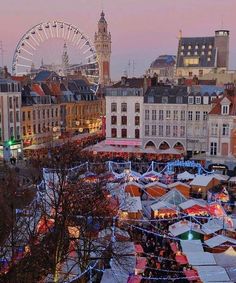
{"x":22,"y":65}
{"x":81,"y":47}
{"x":36,"y":42}
{"x":78,"y":42}
{"x":90,"y":56}
{"x":22,"y":48}
{"x":87,"y":50}
{"x":45,"y":32}
{"x":24,"y":58}
{"x":26,"y":41}
{"x":39,"y":35}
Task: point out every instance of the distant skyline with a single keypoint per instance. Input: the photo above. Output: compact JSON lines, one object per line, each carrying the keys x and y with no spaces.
{"x":141,"y":29}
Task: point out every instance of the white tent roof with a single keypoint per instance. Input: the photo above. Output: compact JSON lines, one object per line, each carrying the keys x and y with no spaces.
{"x":200,"y":258}
{"x":191,"y":246}
{"x":214,"y":225}
{"x":219,"y":240}
{"x":118,"y":232}
{"x":201,"y":180}
{"x":183,"y":226}
{"x":174,"y":197}
{"x":173,"y":185}
{"x":132,"y":204}
{"x":221,"y":177}
{"x":159,"y":184}
{"x":191,"y":202}
{"x":162,"y":204}
{"x":227,"y":258}
{"x":185,"y":176}
{"x":212,"y":274}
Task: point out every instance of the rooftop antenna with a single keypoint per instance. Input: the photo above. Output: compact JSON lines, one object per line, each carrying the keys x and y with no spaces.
{"x":129,"y":64}
{"x":133,"y":67}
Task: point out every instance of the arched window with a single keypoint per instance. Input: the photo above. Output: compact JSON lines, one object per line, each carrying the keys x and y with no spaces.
{"x":137,"y":135}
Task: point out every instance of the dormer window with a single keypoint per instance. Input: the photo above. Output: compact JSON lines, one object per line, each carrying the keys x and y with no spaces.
{"x":190,"y":100}
{"x":198,"y":100}
{"x":225,"y":109}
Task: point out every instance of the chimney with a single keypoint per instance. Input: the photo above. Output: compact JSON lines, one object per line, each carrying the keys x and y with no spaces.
{"x":123,"y":80}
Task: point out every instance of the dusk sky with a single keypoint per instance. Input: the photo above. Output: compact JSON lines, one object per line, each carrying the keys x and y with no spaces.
{"x":141,"y":29}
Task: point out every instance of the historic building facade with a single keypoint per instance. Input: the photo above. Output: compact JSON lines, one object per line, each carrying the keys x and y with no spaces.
{"x":10,"y":119}
{"x":102,"y":42}
{"x":198,"y":56}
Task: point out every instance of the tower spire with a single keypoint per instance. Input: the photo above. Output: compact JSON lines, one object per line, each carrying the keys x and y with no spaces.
{"x":65,"y":59}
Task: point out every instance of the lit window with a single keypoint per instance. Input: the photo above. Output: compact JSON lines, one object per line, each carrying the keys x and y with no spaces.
{"x":181,"y":53}
{"x":203,"y":53}
{"x":203,"y":46}
{"x":195,"y":53}
{"x":188,"y":53}
{"x":208,"y":59}
{"x":189,"y":47}
{"x":209,"y":52}
{"x":210,"y":46}
{"x":182,"y":47}
{"x":191,"y":61}
{"x":196,"y":46}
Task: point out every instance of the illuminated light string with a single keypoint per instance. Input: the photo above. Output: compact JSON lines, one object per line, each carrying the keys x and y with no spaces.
{"x":172,"y":238}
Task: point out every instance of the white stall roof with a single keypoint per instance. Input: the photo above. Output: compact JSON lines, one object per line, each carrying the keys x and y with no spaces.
{"x":183,"y":226}
{"x":214,"y":225}
{"x":201,"y":180}
{"x":191,"y":202}
{"x":191,"y":246}
{"x":227,"y":258}
{"x":214,"y":273}
{"x":219,"y":240}
{"x":185,"y":176}
{"x":132,"y":204}
{"x":200,"y":258}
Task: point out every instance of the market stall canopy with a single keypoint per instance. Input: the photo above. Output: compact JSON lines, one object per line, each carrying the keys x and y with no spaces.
{"x":200,"y":258}
{"x":156,"y":184}
{"x":175,"y":184}
{"x":227,"y":258}
{"x":214,"y":225}
{"x":193,"y":202}
{"x":163,"y":205}
{"x":131,"y":204}
{"x":201,"y":180}
{"x":173,"y":197}
{"x":221,"y":177}
{"x":219,"y":240}
{"x":213,"y":273}
{"x":184,"y":226}
{"x":185,"y":176}
{"x":191,"y":246}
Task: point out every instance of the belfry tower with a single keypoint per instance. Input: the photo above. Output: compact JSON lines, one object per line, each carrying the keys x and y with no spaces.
{"x":102,"y":42}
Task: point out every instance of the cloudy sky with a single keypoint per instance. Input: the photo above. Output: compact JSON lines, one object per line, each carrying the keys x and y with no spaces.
{"x":141,"y":29}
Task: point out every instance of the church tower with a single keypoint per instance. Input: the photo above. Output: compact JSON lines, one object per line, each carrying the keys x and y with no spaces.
{"x":65,"y":59}
{"x":102,"y":42}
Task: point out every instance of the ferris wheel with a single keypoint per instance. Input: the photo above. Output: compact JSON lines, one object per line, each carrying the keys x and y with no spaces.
{"x":33,"y":38}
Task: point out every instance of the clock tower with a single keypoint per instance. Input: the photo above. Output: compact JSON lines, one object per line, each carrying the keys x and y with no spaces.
{"x":102,"y":42}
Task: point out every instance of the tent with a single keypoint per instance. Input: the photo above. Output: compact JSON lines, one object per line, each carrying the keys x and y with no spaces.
{"x":219,"y":240}
{"x":155,"y":189}
{"x":173,"y":197}
{"x":212,"y":273}
{"x":185,"y":229}
{"x":131,"y":207}
{"x":202,"y":183}
{"x":185,"y":176}
{"x":191,"y":246}
{"x":214,"y":225}
{"x":227,"y":258}
{"x":200,"y":258}
{"x":162,"y":208}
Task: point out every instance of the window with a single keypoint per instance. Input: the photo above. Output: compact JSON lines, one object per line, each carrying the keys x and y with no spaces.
{"x":34,"y":129}
{"x":154,"y":115}
{"x":213,"y":148}
{"x":23,"y":116}
{"x":225,"y":109}
{"x":43,"y":113}
{"x":18,"y":132}
{"x":182,"y":47}
{"x":114,"y":120}
{"x":209,"y":52}
{"x":48,"y":113}
{"x":198,"y":100}
{"x":191,"y":61}
{"x":164,"y":100}
{"x":214,"y":129}
{"x":190,"y":115}
{"x":203,"y":53}
{"x":195,"y":53}
{"x":175,"y":131}
{"x":190,"y":100}
{"x":17,"y":102}
{"x":52,"y":112}
{"x":146,"y":114}
{"x":10,"y":103}
{"x":137,"y":135}
{"x":182,"y":131}
{"x":17,"y":116}
{"x":34,"y":115}
{"x":167,"y":114}
{"x":113,"y":107}
{"x":161,"y":130}
{"x":124,"y":133}
{"x":56,"y":113}
{"x":123,"y":107}
{"x":24,"y":131}
{"x":168,"y":130}
{"x":182,"y":115}
{"x":124,"y":120}
{"x":188,"y":53}
{"x":205,"y":115}
{"x":196,"y":46}
{"x":225,"y":130}
{"x":190,"y":74}
{"x":197,"y":117}
{"x":175,"y":115}
{"x":203,"y":46}
{"x":200,"y":72}
{"x":39,"y":128}
{"x":146,"y":130}
{"x":161,"y":115}
{"x":154,"y":130}
{"x":29,"y":115}
{"x":11,"y":117}
{"x":179,"y":99}
{"x":137,"y":107}
{"x":181,"y":53}
{"x":189,"y":47}
{"x":137,"y":121}
{"x":210,"y":46}
{"x":113,"y":133}
{"x":39,"y":114}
